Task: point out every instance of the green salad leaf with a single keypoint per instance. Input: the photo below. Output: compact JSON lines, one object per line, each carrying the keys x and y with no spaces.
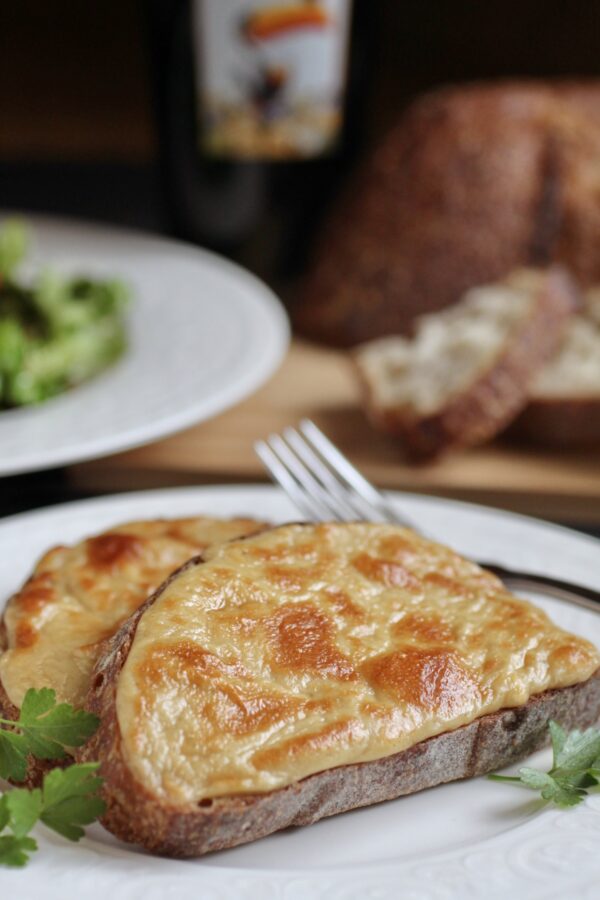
{"x":55,"y":331}
{"x":13,"y":246}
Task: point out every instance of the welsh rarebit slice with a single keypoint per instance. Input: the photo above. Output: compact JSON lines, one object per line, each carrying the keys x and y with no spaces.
{"x":52,"y":629}
{"x":311,"y":669}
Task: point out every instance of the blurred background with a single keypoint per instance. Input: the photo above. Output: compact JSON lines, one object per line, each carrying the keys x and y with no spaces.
{"x":99,"y":119}
{"x":79,"y":134}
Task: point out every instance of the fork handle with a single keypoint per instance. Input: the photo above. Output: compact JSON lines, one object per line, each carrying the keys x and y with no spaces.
{"x":586,"y":597}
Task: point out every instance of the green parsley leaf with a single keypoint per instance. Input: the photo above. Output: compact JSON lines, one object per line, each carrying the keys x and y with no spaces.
{"x":561,"y":794}
{"x":535,"y":779}
{"x":558,"y":736}
{"x":70,"y":799}
{"x":578,"y":751}
{"x":50,"y":727}
{"x":14,"y":851}
{"x":24,"y":809}
{"x":13,"y":755}
{"x":575,"y":767}
{"x":43,"y":729}
{"x":4,"y":813}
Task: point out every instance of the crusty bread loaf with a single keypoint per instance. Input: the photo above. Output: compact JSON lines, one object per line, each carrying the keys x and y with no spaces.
{"x":315,"y":669}
{"x":472,"y":182}
{"x":90,"y":588}
{"x":467,"y":371}
{"x":564,"y":401}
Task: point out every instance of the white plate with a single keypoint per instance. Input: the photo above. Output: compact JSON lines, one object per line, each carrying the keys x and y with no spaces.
{"x":204,"y":333}
{"x":464,"y":840}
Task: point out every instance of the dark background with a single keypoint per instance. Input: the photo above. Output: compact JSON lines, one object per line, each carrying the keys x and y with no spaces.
{"x":76,"y":119}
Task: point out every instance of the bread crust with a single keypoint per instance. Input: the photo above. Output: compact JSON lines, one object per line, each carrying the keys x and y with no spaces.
{"x":561,"y":422}
{"x":136,"y":816}
{"x":489,"y":403}
{"x":568,"y":417}
{"x":7,"y":709}
{"x":473,"y":181}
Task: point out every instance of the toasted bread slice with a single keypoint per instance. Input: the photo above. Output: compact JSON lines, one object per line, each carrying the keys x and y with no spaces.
{"x":315,"y":668}
{"x":564,"y":402}
{"x":51,"y":630}
{"x":468,"y":370}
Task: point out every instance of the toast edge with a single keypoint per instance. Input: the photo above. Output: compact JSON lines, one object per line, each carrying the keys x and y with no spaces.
{"x":134,"y":815}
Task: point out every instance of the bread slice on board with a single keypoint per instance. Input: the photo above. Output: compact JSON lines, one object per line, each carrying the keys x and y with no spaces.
{"x":51,"y":630}
{"x":317,"y":668}
{"x":468,"y":370}
{"x":564,"y":402}
{"x":473,"y":181}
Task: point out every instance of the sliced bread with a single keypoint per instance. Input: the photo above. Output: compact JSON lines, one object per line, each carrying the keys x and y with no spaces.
{"x":312,"y":669}
{"x":467,"y":371}
{"x":51,"y":630}
{"x":564,"y":401}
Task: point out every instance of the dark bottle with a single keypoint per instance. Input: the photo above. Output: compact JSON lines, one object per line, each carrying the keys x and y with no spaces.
{"x":259,"y":106}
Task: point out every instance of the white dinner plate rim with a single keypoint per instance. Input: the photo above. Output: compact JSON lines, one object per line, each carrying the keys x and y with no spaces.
{"x":150,"y":494}
{"x":265,"y":363}
{"x":223,"y":883}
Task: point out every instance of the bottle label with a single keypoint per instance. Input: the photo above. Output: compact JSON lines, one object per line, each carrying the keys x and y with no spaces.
{"x":270,"y":76}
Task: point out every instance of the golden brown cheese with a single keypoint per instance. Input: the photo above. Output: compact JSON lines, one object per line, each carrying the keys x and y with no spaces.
{"x":79,"y":595}
{"x":308,"y":647}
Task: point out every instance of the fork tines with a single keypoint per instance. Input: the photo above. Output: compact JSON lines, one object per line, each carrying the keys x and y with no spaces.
{"x":320,"y":480}
{"x":325,"y":486}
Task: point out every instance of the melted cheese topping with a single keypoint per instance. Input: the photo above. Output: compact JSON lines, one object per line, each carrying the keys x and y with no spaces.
{"x":78,"y":596}
{"x":309,"y":647}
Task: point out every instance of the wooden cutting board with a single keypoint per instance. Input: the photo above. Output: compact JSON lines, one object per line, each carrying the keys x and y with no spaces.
{"x":319,"y":383}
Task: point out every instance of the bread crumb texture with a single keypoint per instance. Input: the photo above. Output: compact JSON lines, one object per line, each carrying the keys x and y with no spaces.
{"x":451,"y":349}
{"x":575,"y":369}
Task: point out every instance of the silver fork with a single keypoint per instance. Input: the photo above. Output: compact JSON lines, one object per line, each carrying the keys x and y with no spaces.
{"x":325,"y":486}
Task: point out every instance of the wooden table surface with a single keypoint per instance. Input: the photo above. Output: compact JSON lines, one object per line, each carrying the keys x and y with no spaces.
{"x":319,"y":383}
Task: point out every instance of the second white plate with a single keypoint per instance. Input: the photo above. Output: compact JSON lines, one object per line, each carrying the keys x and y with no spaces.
{"x":204,"y":334}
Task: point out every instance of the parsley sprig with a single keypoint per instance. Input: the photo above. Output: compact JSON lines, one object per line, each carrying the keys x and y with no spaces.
{"x":67,"y":800}
{"x":44,"y":729}
{"x":69,"y":797}
{"x":575,"y":767}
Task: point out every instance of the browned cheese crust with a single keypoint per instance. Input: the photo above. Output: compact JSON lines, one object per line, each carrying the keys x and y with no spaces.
{"x":472,"y":182}
{"x":51,"y":579}
{"x":135,"y":816}
{"x":489,"y":403}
